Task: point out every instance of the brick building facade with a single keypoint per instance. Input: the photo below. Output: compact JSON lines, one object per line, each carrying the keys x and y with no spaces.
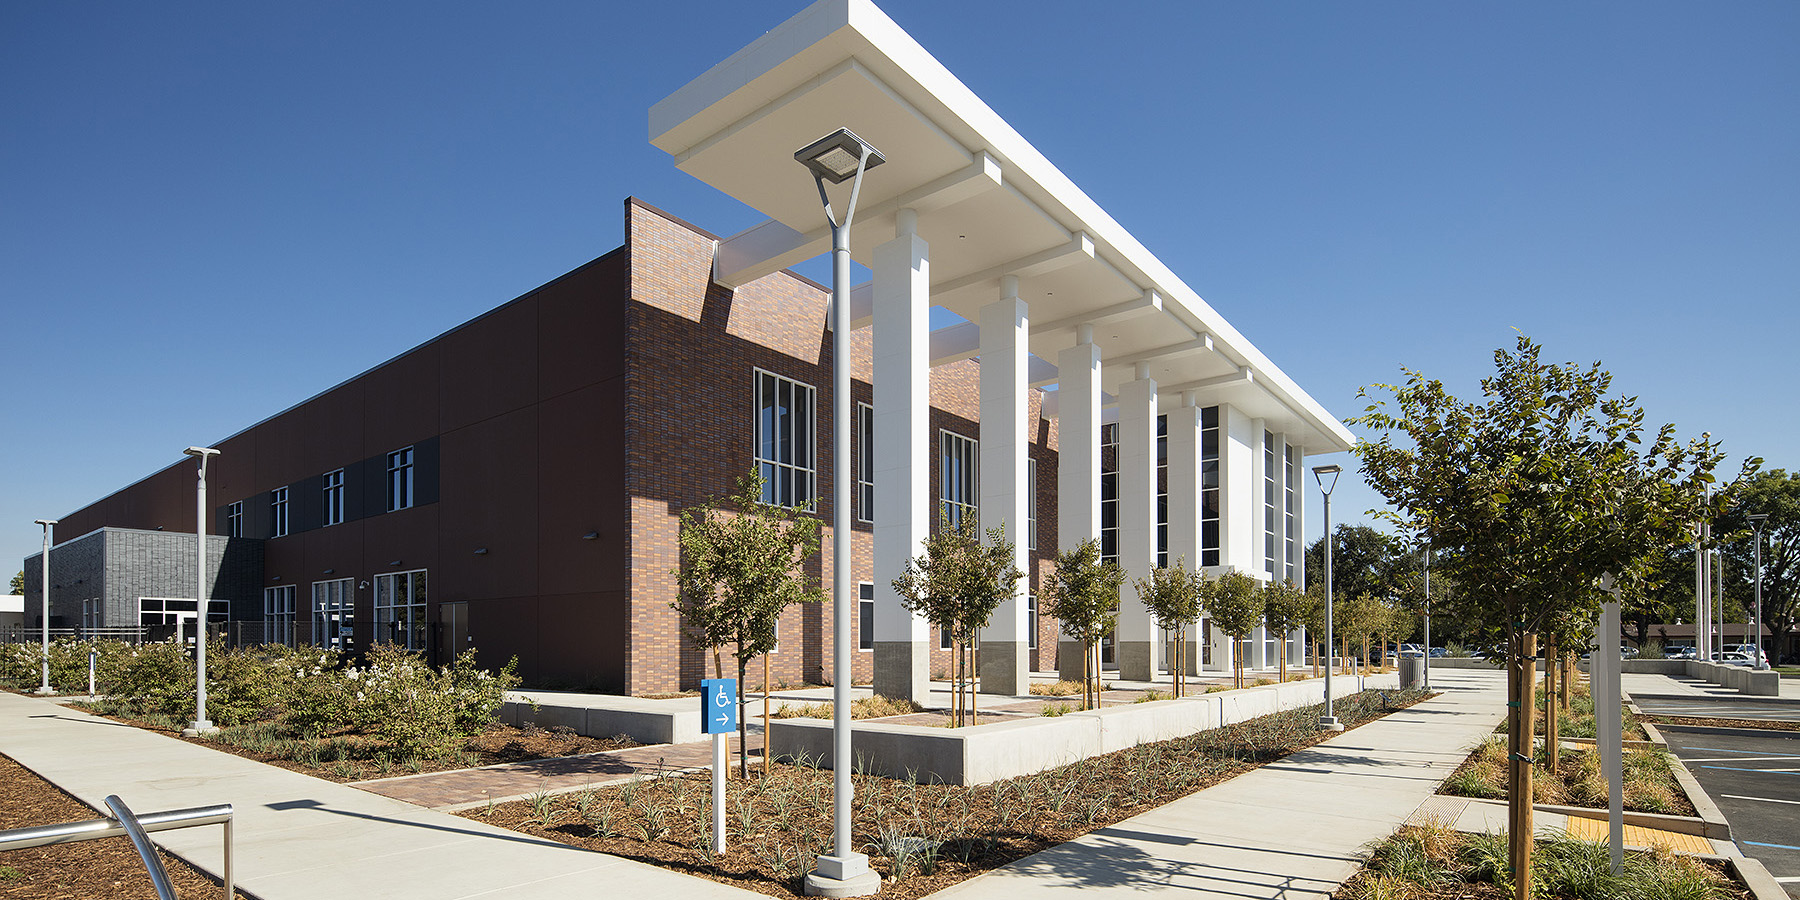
{"x":515,"y":484}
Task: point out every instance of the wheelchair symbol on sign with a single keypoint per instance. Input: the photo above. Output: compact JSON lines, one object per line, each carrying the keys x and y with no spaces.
{"x":722,"y":698}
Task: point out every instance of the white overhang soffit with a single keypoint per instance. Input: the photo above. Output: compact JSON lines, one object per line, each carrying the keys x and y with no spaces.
{"x":989,"y":203}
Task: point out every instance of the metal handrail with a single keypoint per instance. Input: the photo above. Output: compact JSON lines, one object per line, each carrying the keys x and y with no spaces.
{"x":136,"y":827}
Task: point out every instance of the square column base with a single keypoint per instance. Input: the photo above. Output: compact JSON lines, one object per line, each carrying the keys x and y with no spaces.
{"x":834,"y":876}
{"x":1137,"y":660}
{"x":903,"y":670}
{"x":1005,"y":667}
{"x":1068,"y":660}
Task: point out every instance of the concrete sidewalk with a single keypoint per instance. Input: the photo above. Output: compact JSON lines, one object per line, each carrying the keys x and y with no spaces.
{"x":1288,"y":830}
{"x":303,"y":838}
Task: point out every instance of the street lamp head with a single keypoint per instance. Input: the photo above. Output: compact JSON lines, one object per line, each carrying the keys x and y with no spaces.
{"x":836,"y":156}
{"x":1757,"y":520}
{"x":1319,"y":472}
{"x":46,"y":522}
{"x":200,"y":452}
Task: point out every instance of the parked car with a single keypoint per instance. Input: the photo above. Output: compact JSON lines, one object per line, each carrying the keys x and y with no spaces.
{"x":1750,"y":650}
{"x":1678,"y":651}
{"x":1736,"y":659}
{"x":1439,"y":653}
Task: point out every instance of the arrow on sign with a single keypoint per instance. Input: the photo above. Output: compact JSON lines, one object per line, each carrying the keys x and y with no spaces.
{"x":723,"y":719}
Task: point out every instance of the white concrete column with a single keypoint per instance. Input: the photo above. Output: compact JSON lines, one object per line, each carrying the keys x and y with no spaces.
{"x":1005,"y":494}
{"x":902,"y":382}
{"x":1184,"y":497}
{"x":1137,"y":639}
{"x":1077,"y":465}
{"x":1303,"y":482}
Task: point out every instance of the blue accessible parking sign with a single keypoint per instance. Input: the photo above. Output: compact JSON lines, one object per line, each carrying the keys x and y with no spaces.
{"x":718,"y":705}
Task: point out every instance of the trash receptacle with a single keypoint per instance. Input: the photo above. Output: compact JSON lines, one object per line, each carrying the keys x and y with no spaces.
{"x":1412,"y":671}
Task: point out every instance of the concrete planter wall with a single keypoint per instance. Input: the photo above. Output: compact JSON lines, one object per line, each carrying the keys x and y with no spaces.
{"x":1013,"y":747}
{"x":1766,"y":683}
{"x":602,"y":715}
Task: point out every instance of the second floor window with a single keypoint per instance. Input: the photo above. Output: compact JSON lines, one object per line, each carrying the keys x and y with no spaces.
{"x":958,"y":481}
{"x":865,"y":462}
{"x":234,"y":519}
{"x":784,"y":439}
{"x":334,"y":497}
{"x":400,"y":479}
{"x":278,"y":512}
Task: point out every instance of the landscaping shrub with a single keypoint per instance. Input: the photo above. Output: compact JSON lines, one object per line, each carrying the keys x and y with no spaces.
{"x":1431,"y":860}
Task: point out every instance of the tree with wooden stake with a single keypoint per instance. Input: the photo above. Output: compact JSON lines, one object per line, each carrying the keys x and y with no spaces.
{"x":1284,"y":609}
{"x":1533,"y":493}
{"x":1356,"y":616}
{"x":956,"y":584}
{"x":1313,"y":620}
{"x":740,"y":567}
{"x":1083,"y":595}
{"x":1235,"y":606}
{"x":1172,"y":595}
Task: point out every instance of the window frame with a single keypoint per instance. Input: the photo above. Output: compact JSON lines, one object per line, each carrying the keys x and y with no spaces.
{"x":959,"y":487}
{"x":278,"y":613}
{"x":865,"y":616}
{"x":401,"y":485}
{"x":801,"y":472}
{"x":865,"y":462}
{"x":333,"y":491}
{"x":417,"y":590}
{"x":234,"y":519}
{"x":344,"y":603}
{"x":278,"y":512}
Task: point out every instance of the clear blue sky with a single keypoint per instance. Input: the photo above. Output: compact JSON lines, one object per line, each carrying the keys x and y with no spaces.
{"x":212,"y":211}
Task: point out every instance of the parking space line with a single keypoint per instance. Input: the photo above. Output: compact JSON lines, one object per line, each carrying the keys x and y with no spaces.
{"x":1776,"y":846}
{"x":1766,"y":771}
{"x":1741,"y":759}
{"x":1763,"y":799}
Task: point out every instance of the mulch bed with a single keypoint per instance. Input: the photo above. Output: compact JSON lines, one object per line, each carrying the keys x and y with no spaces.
{"x":109,"y":867}
{"x":499,"y":744}
{"x":775,"y":825}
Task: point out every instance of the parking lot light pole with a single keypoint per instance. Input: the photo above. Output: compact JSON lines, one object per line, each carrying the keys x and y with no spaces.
{"x":1757,"y":521}
{"x":1427,"y":660}
{"x":201,"y":724}
{"x":1328,"y":721}
{"x":839,"y":157}
{"x":44,"y":591}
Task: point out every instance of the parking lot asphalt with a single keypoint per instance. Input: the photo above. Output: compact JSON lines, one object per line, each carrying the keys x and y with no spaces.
{"x":1754,"y":777}
{"x":1734,"y":706}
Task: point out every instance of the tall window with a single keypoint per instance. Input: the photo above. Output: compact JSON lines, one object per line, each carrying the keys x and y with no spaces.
{"x":334,"y":497}
{"x":1162,"y":490}
{"x":400,"y":479}
{"x":784,"y":439}
{"x":1109,"y":493}
{"x":865,"y":616}
{"x":333,"y":613}
{"x":278,"y":512}
{"x":1291,"y":472}
{"x":865,"y":462}
{"x":278,"y":614}
{"x":1209,"y":486}
{"x":90,"y":614}
{"x":234,"y":519}
{"x":400,"y":609}
{"x":959,"y":467}
{"x":1031,"y":502}
{"x":1269,"y":545}
{"x":1031,"y":622}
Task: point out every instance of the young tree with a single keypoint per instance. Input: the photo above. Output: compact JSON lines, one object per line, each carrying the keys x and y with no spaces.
{"x":739,"y":569}
{"x":1235,"y":606}
{"x":18,"y":582}
{"x":1285,"y":608}
{"x":1172,"y":594}
{"x":1539,"y":490}
{"x":1314,"y":623}
{"x":1083,"y":595}
{"x":956,"y":584}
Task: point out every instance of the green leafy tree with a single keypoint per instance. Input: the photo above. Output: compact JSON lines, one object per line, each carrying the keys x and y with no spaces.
{"x":740,"y":568}
{"x":956,"y":584}
{"x":1313,"y":620}
{"x":1364,"y":560}
{"x":1172,"y":595}
{"x":1356,"y":618}
{"x":1540,"y":488}
{"x":1235,"y":606}
{"x":1777,"y":494}
{"x":1285,"y":608}
{"x":1083,"y":595}
{"x":18,"y":583}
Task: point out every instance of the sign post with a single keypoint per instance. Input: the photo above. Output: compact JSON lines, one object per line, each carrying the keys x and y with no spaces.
{"x":718,"y":717}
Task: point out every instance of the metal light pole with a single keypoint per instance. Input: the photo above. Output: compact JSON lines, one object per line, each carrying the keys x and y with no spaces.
{"x":1757,"y":521}
{"x":49,"y":531}
{"x":839,"y":157}
{"x":1427,"y":615}
{"x":201,"y":724}
{"x":1328,"y":721}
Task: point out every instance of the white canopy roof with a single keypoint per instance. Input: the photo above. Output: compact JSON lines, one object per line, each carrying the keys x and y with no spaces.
{"x":989,"y":204}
